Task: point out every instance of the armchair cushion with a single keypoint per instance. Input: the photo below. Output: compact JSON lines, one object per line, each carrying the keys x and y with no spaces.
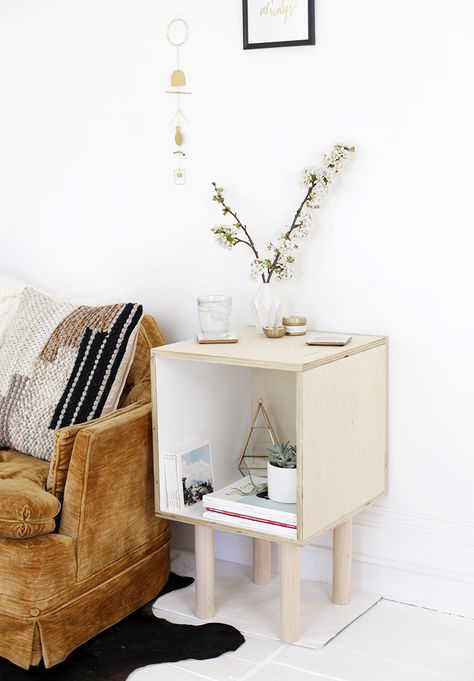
{"x":26,"y":509}
{"x":61,"y":363}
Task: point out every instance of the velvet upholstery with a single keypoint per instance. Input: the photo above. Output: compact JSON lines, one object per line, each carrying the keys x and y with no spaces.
{"x":29,"y":567}
{"x":138,"y":384}
{"x":26,"y":510}
{"x":64,"y":440}
{"x":109,"y":554}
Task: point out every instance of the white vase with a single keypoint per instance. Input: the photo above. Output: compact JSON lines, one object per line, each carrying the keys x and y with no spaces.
{"x":281,"y":484}
{"x":266,"y":307}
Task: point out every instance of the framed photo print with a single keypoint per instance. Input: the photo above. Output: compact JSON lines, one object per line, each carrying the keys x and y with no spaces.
{"x":278,"y":23}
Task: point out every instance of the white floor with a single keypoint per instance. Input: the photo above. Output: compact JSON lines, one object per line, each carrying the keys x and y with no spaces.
{"x":390,"y":642}
{"x":255,"y":609}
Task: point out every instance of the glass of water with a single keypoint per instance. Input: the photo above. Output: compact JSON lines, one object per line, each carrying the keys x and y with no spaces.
{"x":214,"y":316}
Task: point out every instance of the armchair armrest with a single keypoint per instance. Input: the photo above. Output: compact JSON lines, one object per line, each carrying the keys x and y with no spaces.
{"x":64,"y":439}
{"x":108,"y":505}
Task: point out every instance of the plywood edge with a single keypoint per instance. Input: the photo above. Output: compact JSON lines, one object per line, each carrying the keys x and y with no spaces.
{"x":387,"y":397}
{"x":343,"y":518}
{"x":156,"y":466}
{"x":230,"y":361}
{"x":192,"y":520}
{"x":299,"y":455}
{"x":345,"y":351}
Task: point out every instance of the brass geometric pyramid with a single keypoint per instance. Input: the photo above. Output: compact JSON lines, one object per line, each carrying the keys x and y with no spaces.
{"x":261,"y":436}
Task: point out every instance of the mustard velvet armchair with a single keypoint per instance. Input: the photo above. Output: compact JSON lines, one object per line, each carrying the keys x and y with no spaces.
{"x":109,"y":554}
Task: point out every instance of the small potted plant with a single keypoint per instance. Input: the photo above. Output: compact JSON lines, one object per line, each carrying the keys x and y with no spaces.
{"x":281,"y":468}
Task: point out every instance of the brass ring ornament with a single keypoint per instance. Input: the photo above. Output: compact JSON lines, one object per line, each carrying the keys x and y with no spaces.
{"x":186,"y":31}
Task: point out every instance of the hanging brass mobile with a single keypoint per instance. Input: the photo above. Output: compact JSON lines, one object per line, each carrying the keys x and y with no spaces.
{"x":177,"y":34}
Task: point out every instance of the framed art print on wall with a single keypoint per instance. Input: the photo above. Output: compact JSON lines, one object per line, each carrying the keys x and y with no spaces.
{"x":278,"y":23}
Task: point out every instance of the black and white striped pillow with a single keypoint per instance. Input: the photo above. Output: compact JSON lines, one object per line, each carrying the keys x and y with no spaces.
{"x":60,"y":364}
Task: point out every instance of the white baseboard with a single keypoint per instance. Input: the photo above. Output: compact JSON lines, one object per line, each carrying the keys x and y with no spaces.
{"x":407,"y":556}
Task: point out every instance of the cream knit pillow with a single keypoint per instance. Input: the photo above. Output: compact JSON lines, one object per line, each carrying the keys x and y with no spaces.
{"x":10,"y":291}
{"x":60,"y":364}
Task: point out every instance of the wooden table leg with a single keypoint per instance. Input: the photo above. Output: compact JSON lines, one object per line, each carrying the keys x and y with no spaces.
{"x":341,"y":563}
{"x":289,"y":592}
{"x":204,"y":550}
{"x":262,"y":561}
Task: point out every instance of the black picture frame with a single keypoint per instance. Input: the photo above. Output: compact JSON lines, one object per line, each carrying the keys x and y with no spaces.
{"x":311,"y":40}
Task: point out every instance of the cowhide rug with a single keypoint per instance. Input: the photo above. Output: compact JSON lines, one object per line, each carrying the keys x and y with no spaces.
{"x":139,"y":640}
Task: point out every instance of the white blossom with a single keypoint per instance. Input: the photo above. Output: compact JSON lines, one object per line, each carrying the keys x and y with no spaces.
{"x":317,"y":182}
{"x":302,"y":230}
{"x":307,"y":176}
{"x":284,"y":269}
{"x":287,"y":246}
{"x":226,"y":235}
{"x":257,"y":268}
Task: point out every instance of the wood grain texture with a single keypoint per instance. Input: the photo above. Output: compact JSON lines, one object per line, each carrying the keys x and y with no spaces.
{"x":289,"y":593}
{"x":154,"y":420}
{"x":277,"y":389}
{"x":193,"y":516}
{"x":343,"y":438}
{"x":262,"y":561}
{"x":330,"y":401}
{"x":336,"y":414}
{"x":255,"y":350}
{"x":342,"y":563}
{"x":205,"y":572}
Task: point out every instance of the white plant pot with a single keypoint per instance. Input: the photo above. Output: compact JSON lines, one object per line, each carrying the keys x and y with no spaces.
{"x":266,"y":307}
{"x":281,"y":484}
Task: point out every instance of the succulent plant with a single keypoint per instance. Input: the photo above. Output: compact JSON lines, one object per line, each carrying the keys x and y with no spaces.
{"x":282,"y":455}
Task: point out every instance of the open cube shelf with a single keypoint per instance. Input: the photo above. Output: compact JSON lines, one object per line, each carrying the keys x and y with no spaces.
{"x":330,"y":401}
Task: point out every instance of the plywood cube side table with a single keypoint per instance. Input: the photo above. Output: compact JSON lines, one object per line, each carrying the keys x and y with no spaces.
{"x":330,"y":401}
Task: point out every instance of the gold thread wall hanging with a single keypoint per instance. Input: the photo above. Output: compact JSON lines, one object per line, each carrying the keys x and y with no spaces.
{"x":177,"y":34}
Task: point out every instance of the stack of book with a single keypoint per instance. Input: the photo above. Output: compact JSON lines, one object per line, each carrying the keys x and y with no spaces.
{"x":239,"y":505}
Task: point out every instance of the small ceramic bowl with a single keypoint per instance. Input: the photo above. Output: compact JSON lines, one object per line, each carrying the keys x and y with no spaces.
{"x":274,"y":331}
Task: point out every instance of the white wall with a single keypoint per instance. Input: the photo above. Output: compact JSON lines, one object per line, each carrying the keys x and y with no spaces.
{"x":88,"y":205}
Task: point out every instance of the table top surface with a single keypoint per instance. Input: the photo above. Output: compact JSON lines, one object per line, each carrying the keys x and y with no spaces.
{"x":289,"y":353}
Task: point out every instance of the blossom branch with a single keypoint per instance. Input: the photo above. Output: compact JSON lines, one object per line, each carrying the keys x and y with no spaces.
{"x":287,"y":235}
{"x":280,"y":262}
{"x":232,"y":239}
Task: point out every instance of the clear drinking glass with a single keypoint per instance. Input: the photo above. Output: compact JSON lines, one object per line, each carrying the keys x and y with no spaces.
{"x":214,"y":315}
